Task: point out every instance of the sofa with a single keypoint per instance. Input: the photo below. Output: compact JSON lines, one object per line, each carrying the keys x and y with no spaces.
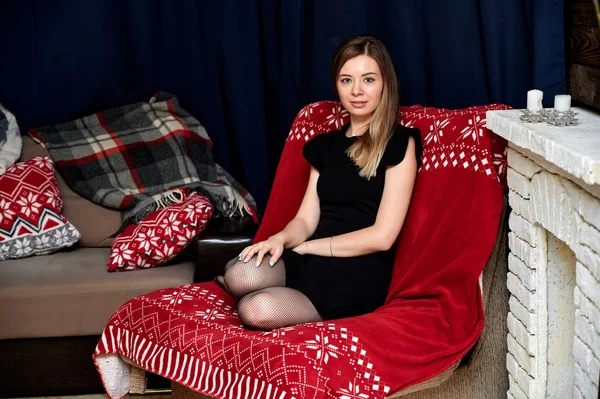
{"x":47,"y":340}
{"x":53,"y":308}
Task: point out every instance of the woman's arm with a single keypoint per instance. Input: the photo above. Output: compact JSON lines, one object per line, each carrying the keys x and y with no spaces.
{"x":397,"y":191}
{"x":302,"y":226}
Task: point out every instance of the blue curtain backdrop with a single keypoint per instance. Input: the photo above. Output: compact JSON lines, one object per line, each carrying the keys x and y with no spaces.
{"x":244,"y":68}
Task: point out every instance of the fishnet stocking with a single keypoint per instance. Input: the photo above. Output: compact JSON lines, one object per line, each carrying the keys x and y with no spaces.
{"x":276,"y":307}
{"x":266,"y":303}
{"x":242,"y":278}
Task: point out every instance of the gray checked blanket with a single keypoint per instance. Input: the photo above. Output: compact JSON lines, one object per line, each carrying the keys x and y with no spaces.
{"x":141,"y":157}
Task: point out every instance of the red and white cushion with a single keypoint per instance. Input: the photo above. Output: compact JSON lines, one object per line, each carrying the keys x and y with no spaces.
{"x":31,"y":222}
{"x":160,"y":236}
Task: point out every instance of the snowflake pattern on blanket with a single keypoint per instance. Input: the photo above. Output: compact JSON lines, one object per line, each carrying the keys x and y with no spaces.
{"x":192,"y":334}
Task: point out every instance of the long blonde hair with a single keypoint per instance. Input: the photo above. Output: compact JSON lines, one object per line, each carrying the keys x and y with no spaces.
{"x":367,"y":151}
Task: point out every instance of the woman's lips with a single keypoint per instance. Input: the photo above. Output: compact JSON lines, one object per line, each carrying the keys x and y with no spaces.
{"x":358,"y":104}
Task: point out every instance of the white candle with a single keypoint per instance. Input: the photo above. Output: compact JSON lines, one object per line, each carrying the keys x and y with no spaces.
{"x":534,"y":100}
{"x":562,"y":102}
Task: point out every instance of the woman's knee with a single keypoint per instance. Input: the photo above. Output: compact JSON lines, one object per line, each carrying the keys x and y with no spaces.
{"x":230,"y":263}
{"x":235,"y":277}
{"x":242,"y":278}
{"x":240,"y":268}
{"x":255,"y":310}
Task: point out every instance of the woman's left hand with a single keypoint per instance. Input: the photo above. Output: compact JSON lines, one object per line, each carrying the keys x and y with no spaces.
{"x":273,"y":245}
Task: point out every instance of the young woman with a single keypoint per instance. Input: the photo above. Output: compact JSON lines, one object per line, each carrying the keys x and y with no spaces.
{"x":335,"y":258}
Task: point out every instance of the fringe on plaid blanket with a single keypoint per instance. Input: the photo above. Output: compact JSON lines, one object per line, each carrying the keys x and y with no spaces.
{"x":140,"y":157}
{"x":224,"y":198}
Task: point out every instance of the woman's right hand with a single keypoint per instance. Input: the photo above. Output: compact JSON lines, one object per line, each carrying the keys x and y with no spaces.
{"x":273,"y":246}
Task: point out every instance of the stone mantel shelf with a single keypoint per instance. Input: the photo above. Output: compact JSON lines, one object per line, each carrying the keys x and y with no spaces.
{"x":574,"y":149}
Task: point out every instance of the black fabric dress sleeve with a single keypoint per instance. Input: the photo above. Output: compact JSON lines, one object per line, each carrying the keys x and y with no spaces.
{"x":315,"y":151}
{"x":396,"y":148}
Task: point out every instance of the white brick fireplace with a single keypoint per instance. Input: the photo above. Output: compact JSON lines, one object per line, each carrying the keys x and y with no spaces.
{"x":554,"y":258}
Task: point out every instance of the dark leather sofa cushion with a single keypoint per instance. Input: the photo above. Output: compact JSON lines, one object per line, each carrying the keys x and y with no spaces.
{"x":222,"y":240}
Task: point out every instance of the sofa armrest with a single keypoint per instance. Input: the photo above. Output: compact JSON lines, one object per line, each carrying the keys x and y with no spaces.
{"x":233,"y":225}
{"x":222,"y":240}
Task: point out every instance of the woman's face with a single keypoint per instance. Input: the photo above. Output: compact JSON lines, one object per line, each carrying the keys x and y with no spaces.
{"x":360,"y":86}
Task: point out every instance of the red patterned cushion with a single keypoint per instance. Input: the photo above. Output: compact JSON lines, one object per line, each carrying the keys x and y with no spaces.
{"x":31,"y":222}
{"x":160,"y":236}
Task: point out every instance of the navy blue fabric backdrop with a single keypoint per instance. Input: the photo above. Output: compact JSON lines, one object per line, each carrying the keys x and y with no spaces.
{"x":245,"y":68}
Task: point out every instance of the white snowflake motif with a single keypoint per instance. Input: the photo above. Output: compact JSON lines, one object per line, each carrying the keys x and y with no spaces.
{"x":190,"y":211}
{"x":165,"y":254}
{"x":5,"y":212}
{"x":474,"y":129}
{"x":29,"y":205}
{"x":306,"y":111}
{"x":210,"y":314}
{"x":142,"y":262}
{"x":18,"y":167}
{"x":188,"y":235}
{"x":147,"y":240}
{"x":353,"y":392}
{"x":202,"y":207}
{"x":280,"y":332}
{"x":53,"y":199}
{"x":170,"y":224}
{"x":436,"y":131}
{"x":172,"y":298}
{"x":323,"y":347}
{"x":61,"y":236}
{"x":122,"y":254}
{"x":42,"y":241}
{"x":338,"y":114}
{"x":499,"y":161}
{"x":409,"y":123}
{"x":176,"y":297}
{"x":43,"y":163}
{"x":23,"y":247}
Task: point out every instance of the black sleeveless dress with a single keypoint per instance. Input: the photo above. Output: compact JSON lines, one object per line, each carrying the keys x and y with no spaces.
{"x":344,"y":287}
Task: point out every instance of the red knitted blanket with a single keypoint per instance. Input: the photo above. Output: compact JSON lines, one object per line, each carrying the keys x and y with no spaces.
{"x":433,"y":313}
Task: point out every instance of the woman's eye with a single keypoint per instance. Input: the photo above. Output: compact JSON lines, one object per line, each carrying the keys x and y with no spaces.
{"x":345,"y":80}
{"x":369,"y":80}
